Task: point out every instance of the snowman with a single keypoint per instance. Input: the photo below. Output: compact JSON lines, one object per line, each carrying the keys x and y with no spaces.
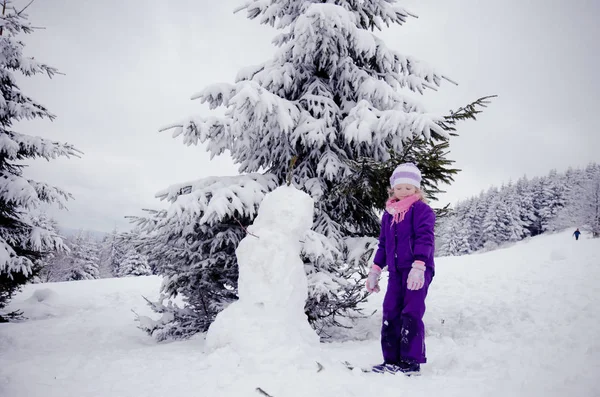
{"x":268,"y":324}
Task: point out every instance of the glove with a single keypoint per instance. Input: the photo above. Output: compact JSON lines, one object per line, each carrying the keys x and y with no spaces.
{"x":416,"y":276}
{"x":373,"y":279}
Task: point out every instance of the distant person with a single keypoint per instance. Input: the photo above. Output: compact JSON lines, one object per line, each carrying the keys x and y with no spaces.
{"x":576,"y":234}
{"x":406,"y":247}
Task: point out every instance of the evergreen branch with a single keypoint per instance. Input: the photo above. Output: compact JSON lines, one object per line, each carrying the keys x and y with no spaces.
{"x":466,"y":112}
{"x":449,"y":80}
{"x":240,"y":8}
{"x":24,"y":8}
{"x":3,"y":13}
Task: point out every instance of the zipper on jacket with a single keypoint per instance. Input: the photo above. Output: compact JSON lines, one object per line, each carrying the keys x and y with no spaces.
{"x":396,"y":247}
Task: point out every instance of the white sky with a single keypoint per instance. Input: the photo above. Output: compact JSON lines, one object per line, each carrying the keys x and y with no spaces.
{"x":131,"y":66}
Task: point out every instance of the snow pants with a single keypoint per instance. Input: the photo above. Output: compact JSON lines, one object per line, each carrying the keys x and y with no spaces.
{"x":403,"y":331}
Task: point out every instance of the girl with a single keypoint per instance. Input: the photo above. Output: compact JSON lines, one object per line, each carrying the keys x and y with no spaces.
{"x":406,"y":247}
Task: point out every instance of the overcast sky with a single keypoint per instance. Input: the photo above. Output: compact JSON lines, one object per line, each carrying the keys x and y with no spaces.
{"x":131,"y":67}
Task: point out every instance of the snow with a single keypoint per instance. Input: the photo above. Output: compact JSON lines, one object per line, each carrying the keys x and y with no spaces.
{"x":213,"y":198}
{"x":521,"y":321}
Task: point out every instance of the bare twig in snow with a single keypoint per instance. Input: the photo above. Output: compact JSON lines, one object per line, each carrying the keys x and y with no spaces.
{"x":264,"y":393}
{"x":246,"y":230}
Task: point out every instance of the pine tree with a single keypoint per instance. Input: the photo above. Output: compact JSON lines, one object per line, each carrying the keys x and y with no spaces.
{"x":329,"y":105}
{"x":369,"y":180}
{"x":530,"y":207}
{"x":548,"y":198}
{"x":582,"y":205}
{"x":22,"y":243}
{"x":524,"y":199}
{"x":112,"y":254}
{"x":56,"y":266}
{"x":134,"y":264}
{"x":193,"y":245}
{"x":50,"y":265}
{"x":455,"y":240}
{"x":473,"y":219}
{"x":493,"y":226}
{"x":104,"y":266}
{"x":590,"y":210}
{"x":83,"y":259}
{"x":514,"y":229}
{"x":555,"y":198}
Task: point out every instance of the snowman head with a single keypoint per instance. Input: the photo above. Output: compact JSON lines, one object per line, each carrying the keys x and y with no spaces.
{"x":286,"y":209}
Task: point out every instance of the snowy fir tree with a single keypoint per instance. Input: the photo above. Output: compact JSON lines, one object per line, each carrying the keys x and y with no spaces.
{"x":134,"y":264}
{"x":193,"y":244}
{"x":368,"y":181}
{"x":112,"y":252}
{"x":588,"y":202}
{"x":515,"y":227}
{"x":52,"y":264}
{"x":554,"y":193}
{"x":548,"y":195}
{"x":514,"y":212}
{"x":83,"y":259}
{"x":105,"y":267}
{"x":21,"y":242}
{"x":334,"y":101}
{"x":524,"y":198}
{"x":56,"y":266}
{"x":582,"y":203}
{"x":454,"y":238}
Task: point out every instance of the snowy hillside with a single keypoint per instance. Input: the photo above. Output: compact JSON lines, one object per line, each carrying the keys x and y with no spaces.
{"x":522,"y":321}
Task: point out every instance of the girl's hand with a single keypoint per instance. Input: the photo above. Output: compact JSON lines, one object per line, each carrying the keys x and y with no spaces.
{"x":373,"y":279}
{"x":416,"y":276}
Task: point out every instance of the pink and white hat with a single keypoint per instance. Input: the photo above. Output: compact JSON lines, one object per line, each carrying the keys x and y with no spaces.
{"x":406,"y":173}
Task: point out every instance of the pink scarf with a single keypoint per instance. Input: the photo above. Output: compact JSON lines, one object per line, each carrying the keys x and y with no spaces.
{"x":399,"y":208}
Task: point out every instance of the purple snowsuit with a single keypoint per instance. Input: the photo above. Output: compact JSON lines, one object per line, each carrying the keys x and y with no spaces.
{"x":403,"y":331}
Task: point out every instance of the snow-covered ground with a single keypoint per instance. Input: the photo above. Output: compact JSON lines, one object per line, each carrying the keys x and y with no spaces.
{"x":521,"y":321}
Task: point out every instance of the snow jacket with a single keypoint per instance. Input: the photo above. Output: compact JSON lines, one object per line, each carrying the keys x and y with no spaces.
{"x":407,"y":241}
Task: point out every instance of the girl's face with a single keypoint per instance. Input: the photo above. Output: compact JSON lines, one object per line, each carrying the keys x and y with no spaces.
{"x":404,"y":190}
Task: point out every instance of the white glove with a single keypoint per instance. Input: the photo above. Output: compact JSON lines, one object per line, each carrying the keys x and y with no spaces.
{"x":373,"y":279}
{"x":416,"y":276}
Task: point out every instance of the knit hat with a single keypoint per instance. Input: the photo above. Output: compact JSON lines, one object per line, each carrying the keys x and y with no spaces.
{"x":406,"y":173}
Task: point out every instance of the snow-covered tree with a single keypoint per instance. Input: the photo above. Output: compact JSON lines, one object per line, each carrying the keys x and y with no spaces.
{"x":332,"y":96}
{"x":514,"y":212}
{"x":548,"y":199}
{"x":502,"y":222}
{"x":482,"y":206}
{"x":589,"y":201}
{"x":112,"y":252}
{"x":56,"y":266}
{"x":21,"y":242}
{"x":524,"y":198}
{"x":514,"y":226}
{"x":83,"y":259}
{"x":134,"y":264}
{"x":582,"y":203}
{"x":193,"y":245}
{"x":52,"y":264}
{"x":555,"y":195}
{"x":455,"y":237}
{"x":492,"y":224}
